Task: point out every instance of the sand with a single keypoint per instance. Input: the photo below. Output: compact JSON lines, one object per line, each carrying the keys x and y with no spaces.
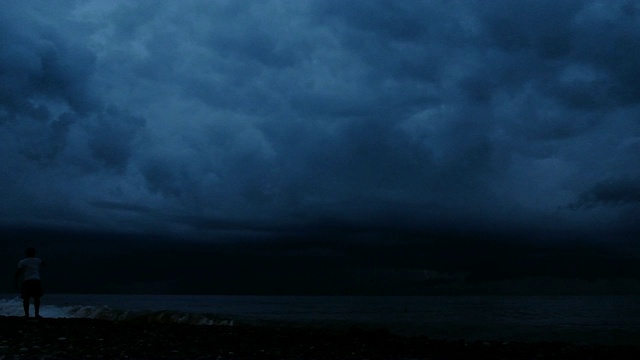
{"x":98,"y":339}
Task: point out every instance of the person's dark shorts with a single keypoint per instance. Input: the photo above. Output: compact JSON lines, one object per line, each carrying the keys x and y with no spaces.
{"x":31,"y":289}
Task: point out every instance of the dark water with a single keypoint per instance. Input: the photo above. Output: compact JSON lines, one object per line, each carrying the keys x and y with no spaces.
{"x":579,"y":319}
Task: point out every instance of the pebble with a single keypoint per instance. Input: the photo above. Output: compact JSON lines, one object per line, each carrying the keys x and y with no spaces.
{"x":62,"y":338}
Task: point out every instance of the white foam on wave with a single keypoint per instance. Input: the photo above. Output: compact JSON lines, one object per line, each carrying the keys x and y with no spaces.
{"x":13,"y":307}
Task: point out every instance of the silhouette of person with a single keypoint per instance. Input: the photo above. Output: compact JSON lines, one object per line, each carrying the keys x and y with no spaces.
{"x":29,"y":270}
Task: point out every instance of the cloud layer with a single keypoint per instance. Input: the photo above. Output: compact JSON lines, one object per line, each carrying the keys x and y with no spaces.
{"x":200,"y":119}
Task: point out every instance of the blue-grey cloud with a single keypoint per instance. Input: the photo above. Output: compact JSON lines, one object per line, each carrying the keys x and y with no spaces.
{"x":272,"y":117}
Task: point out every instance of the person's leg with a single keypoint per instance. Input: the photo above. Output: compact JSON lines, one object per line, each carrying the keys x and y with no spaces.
{"x":24,"y":292}
{"x":36,"y":305}
{"x":25,"y":306}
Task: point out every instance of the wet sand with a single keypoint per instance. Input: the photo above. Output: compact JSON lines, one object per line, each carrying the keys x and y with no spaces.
{"x":97,"y":339}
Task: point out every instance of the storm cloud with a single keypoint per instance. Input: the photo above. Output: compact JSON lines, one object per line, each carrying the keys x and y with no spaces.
{"x":269,"y":119}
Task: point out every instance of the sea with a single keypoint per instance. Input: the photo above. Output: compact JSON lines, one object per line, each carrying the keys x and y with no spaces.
{"x":604,"y":320}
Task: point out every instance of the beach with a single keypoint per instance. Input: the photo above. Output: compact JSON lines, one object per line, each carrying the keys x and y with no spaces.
{"x":79,"y":338}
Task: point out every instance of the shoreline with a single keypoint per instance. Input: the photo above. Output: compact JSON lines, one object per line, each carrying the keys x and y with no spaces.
{"x":81,"y":338}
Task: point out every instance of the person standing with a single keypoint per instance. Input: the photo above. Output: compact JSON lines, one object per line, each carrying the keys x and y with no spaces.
{"x":29,"y":270}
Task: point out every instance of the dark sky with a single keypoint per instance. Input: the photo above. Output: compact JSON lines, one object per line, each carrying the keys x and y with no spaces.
{"x":325,"y":137}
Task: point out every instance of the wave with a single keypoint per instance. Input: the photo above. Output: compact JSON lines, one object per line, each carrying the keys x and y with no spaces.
{"x":13,"y":307}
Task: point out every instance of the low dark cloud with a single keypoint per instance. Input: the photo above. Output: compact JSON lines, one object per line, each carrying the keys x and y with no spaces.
{"x":378,"y":120}
{"x":621,"y":192}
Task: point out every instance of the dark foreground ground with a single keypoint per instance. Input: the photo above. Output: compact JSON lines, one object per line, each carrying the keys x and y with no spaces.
{"x":97,"y":339}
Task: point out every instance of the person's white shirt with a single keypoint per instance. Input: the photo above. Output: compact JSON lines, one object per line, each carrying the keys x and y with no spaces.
{"x":31,"y":268}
